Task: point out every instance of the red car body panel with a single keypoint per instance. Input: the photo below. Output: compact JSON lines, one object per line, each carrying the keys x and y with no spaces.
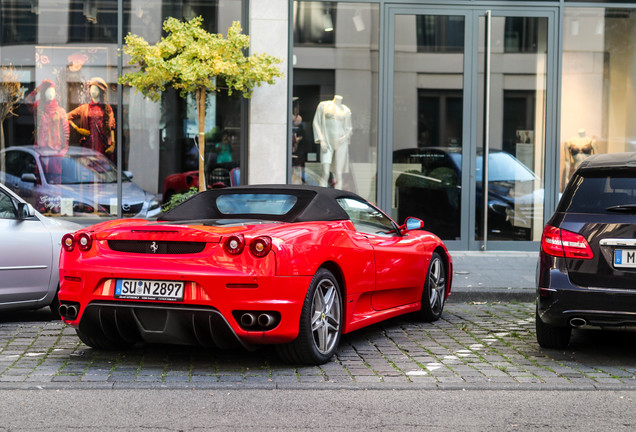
{"x":381,"y":277}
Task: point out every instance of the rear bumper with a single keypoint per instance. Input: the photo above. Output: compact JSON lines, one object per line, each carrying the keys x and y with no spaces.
{"x":207,"y":315}
{"x":562,"y":304}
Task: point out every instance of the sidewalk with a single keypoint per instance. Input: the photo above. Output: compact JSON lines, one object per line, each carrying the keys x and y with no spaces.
{"x":493,"y":276}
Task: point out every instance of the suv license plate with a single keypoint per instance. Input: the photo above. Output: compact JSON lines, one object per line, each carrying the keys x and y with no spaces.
{"x":625,"y":258}
{"x":149,"y":290}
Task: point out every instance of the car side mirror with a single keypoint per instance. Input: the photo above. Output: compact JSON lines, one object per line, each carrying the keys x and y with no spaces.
{"x":411,"y":223}
{"x":25,"y":211}
{"x":128,"y":174}
{"x":29,"y":178}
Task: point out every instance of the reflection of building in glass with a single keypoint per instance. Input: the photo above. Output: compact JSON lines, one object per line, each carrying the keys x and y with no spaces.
{"x":411,"y":74}
{"x":341,"y":61}
{"x":70,"y":44}
{"x":598,"y":82}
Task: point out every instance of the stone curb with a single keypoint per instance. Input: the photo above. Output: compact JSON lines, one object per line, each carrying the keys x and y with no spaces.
{"x":494,"y":386}
{"x":465,"y":295}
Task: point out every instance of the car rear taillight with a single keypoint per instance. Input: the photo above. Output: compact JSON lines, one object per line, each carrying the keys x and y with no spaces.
{"x":261,"y":246}
{"x":235,"y":244}
{"x":564,"y":243}
{"x":68,"y":242}
{"x":84,"y":241}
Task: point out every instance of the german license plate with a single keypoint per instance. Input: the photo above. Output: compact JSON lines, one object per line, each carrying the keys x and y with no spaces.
{"x":149,"y":290}
{"x":625,"y":258}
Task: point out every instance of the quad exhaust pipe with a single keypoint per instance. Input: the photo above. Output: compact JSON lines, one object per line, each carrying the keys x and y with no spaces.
{"x":266,"y":320}
{"x":258,"y":320}
{"x":68,"y":312}
{"x":248,"y":320}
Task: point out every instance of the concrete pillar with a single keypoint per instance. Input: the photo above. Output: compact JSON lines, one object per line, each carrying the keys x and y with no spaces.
{"x":268,"y":107}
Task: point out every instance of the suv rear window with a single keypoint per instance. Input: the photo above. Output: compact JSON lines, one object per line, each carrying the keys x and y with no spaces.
{"x":596,"y":192}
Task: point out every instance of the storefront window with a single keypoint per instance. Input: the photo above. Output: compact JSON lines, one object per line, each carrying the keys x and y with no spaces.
{"x":60,"y":150}
{"x":599,"y":85}
{"x":162,"y":137}
{"x":335,"y":96}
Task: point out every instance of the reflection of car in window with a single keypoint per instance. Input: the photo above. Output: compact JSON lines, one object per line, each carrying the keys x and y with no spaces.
{"x":366,"y":218}
{"x":428,"y":186}
{"x":88,"y":182}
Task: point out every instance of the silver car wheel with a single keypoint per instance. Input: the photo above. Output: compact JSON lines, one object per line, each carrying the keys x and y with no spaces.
{"x":325,"y":316}
{"x":437,"y":285}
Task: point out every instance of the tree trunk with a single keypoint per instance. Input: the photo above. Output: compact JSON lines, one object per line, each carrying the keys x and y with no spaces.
{"x":200,"y":98}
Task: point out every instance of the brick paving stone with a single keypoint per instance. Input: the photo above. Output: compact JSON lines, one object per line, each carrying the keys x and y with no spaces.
{"x":473,"y":344}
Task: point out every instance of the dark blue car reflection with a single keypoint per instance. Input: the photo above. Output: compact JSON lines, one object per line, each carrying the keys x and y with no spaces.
{"x":428,"y":186}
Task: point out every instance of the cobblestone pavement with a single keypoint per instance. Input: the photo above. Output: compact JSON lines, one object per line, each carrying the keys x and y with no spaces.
{"x":473,"y":346}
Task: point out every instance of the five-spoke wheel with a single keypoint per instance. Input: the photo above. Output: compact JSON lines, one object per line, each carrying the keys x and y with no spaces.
{"x":434,"y":293}
{"x":320,"y":323}
{"x":326,"y":316}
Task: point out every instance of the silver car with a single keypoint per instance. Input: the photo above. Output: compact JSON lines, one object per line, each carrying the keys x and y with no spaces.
{"x":29,"y":254}
{"x":83,"y":182}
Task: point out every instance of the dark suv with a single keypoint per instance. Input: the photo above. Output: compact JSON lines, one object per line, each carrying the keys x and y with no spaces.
{"x":586,"y":277}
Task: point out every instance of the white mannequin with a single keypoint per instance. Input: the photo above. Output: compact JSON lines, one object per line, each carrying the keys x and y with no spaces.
{"x":95,"y":92}
{"x":49,"y":94}
{"x":332,"y":130}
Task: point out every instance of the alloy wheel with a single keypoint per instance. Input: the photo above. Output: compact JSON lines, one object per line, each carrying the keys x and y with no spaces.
{"x":437,"y":285}
{"x":325,"y":316}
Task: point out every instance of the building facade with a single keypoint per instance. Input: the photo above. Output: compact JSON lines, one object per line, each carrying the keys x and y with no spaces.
{"x":414,"y":105}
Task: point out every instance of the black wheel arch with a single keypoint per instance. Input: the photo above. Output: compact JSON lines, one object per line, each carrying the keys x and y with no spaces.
{"x":443,"y":253}
{"x":337,"y":272}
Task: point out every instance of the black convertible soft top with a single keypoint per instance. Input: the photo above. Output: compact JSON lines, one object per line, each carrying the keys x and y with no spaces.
{"x":312,"y":204}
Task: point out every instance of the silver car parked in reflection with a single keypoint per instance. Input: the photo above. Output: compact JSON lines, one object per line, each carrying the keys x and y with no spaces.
{"x":29,"y":254}
{"x":83,"y":182}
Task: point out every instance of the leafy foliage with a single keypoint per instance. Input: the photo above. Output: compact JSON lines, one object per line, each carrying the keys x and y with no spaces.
{"x":190,"y":59}
{"x":178,"y":198}
{"x":10,"y":91}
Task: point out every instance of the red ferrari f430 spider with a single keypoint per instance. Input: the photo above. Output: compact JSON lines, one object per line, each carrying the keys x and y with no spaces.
{"x":295,"y":266}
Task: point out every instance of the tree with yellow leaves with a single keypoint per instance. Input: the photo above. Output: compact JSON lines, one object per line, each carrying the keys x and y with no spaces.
{"x":192,"y":60}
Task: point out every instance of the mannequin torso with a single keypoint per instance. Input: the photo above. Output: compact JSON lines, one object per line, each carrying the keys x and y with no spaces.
{"x":332,"y":130}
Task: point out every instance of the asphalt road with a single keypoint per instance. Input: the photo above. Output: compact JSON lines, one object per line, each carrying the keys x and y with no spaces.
{"x":333,"y":410}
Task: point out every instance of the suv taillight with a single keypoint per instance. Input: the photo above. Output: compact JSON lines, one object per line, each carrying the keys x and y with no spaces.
{"x":563,"y":243}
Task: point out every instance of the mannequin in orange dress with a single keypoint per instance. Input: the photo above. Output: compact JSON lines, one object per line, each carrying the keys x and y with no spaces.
{"x":95,"y":121}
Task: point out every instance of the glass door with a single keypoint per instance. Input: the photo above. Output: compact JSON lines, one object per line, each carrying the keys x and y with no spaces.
{"x":429,"y":120}
{"x":512,"y":130}
{"x":470,"y":92}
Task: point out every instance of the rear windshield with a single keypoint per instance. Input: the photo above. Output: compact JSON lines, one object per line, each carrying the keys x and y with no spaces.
{"x":599,"y":192}
{"x":264,"y":204}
